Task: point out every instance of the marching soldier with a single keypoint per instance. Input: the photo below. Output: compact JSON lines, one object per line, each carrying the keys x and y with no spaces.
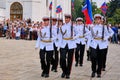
{"x":80,"y":33}
{"x":45,"y":42}
{"x":55,"y":53}
{"x":67,"y":47}
{"x":99,"y":35}
{"x":111,"y":32}
{"x":60,"y":24}
{"x":88,"y":42}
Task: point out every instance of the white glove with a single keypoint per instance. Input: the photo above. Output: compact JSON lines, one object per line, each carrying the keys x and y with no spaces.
{"x":52,"y":39}
{"x":86,"y":39}
{"x":105,"y":38}
{"x":74,"y":38}
{"x":57,"y":39}
{"x":91,"y":25}
{"x":58,"y":48}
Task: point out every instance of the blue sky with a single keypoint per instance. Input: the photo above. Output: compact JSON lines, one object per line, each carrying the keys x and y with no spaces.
{"x":99,"y":2}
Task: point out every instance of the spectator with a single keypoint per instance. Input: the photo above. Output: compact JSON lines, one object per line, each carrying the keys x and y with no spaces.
{"x":1,"y":28}
{"x":115,"y":36}
{"x":4,"y":30}
{"x":17,"y":34}
{"x":119,"y":34}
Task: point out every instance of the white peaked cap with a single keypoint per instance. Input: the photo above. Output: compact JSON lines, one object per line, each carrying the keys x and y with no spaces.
{"x":97,"y":15}
{"x":79,"y":18}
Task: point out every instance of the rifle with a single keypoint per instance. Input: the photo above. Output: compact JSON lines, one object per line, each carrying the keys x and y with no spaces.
{"x":58,"y":28}
{"x":84,"y":29}
{"x":50,"y":24}
{"x":72,"y":29}
{"x":103,"y":30}
{"x":72,"y":19}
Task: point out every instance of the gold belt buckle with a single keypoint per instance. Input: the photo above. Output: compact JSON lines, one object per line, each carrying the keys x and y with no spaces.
{"x":98,"y":38}
{"x":81,"y":36}
{"x":46,"y":41}
{"x":67,"y":38}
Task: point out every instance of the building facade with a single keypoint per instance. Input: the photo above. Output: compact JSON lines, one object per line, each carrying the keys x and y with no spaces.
{"x":34,"y":9}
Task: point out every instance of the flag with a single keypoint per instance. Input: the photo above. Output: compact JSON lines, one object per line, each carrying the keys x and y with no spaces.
{"x":58,"y":9}
{"x":87,"y":10}
{"x":50,"y":6}
{"x":72,"y":4}
{"x":104,"y":8}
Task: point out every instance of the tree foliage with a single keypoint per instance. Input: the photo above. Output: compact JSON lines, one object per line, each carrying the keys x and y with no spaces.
{"x":78,"y":9}
{"x":113,"y":13}
{"x":114,"y":4}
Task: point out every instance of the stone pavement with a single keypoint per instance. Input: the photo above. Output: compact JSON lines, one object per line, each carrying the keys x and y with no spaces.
{"x":20,"y":61}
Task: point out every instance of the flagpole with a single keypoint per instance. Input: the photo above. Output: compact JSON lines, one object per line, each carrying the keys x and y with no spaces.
{"x":72,"y":8}
{"x":91,"y":2}
{"x":58,"y":24}
{"x":104,"y":18}
{"x":62,"y":15}
{"x":51,"y":21}
{"x":105,"y":15}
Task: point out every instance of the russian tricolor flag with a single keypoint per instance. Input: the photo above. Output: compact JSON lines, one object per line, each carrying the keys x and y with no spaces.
{"x":104,"y":8}
{"x":50,"y":6}
{"x":72,"y":4}
{"x":58,"y":9}
{"x":87,"y":10}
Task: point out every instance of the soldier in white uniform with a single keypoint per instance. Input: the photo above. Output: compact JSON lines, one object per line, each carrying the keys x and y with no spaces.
{"x":88,"y":42}
{"x":67,"y":47}
{"x":45,"y":42}
{"x":55,"y":53}
{"x":99,"y":35}
{"x":80,"y":34}
{"x":60,"y":24}
{"x":111,"y":32}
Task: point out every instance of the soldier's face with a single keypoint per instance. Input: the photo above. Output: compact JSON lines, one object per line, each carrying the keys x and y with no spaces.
{"x":102,"y":21}
{"x":97,"y":20}
{"x":67,"y":20}
{"x":60,"y":23}
{"x":53,"y":22}
{"x":46,"y":23}
{"x":79,"y":22}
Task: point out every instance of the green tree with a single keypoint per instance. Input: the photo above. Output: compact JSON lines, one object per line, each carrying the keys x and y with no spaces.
{"x":78,"y":9}
{"x":113,"y":13}
{"x":113,"y":5}
{"x":116,"y":16}
{"x":95,"y":10}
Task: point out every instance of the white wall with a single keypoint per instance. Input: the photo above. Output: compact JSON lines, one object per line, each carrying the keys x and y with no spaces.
{"x":27,"y":9}
{"x":44,"y":9}
{"x":2,"y":3}
{"x":2,"y":14}
{"x":2,"y":9}
{"x":36,"y":9}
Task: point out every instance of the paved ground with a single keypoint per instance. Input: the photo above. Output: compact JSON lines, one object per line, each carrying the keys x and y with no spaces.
{"x":20,"y":61}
